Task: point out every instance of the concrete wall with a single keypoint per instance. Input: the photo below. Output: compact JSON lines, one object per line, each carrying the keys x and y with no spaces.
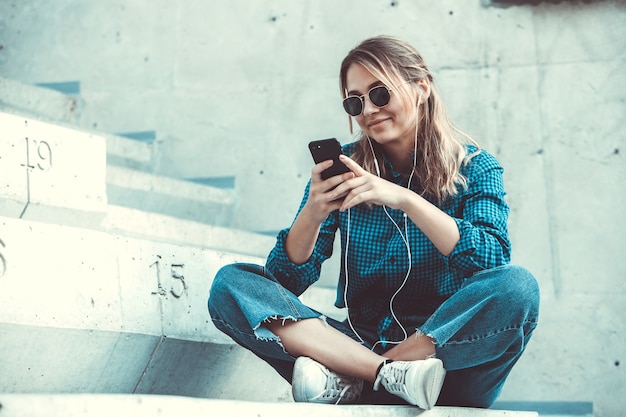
{"x":238,"y":89}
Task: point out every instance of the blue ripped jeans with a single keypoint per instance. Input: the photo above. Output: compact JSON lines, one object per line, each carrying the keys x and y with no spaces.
{"x":480,"y":332}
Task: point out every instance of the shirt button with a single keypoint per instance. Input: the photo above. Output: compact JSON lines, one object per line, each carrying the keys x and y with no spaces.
{"x":392,"y":259}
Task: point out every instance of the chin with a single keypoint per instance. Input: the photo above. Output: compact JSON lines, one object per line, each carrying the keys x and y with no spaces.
{"x":382,"y":138}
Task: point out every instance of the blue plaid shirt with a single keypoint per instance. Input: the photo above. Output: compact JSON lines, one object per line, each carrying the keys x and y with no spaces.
{"x":378,"y":259}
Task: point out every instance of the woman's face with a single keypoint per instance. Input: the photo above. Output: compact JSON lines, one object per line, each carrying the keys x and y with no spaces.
{"x":391,"y":125}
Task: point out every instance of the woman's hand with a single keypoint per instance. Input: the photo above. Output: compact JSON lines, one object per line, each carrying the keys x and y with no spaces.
{"x":323,"y":195}
{"x":323,"y":199}
{"x":366,"y":187}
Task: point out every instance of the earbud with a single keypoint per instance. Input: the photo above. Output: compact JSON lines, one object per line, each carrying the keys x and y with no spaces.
{"x":420,"y":92}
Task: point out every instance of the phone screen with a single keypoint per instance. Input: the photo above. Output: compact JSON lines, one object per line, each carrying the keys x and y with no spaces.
{"x":325,"y":149}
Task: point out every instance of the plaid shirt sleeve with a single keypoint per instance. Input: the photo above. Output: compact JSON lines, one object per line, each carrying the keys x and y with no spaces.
{"x":297,"y":278}
{"x":482,"y":219}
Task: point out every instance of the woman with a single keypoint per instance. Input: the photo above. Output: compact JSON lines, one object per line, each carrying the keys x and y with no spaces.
{"x":435,"y":312}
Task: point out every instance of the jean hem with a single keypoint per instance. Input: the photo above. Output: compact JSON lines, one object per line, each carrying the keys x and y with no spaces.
{"x":264,"y":334}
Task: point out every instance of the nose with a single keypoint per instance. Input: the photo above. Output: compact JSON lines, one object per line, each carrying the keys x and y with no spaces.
{"x":368,"y":107}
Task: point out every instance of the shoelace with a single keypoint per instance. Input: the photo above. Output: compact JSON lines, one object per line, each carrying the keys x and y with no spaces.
{"x":338,"y":388}
{"x":393,"y":376}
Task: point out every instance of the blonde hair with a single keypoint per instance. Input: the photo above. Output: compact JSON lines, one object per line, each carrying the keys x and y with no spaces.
{"x":440,"y":151}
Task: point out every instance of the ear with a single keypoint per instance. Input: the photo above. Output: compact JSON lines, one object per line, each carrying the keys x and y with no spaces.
{"x":423,"y":89}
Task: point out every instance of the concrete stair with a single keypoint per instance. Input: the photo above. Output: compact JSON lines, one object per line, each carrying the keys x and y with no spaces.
{"x":125,"y":405}
{"x":53,"y":168}
{"x":104,"y":298}
{"x":157,"y":194}
{"x":38,"y":102}
{"x":163,"y":228}
{"x":110,"y":299}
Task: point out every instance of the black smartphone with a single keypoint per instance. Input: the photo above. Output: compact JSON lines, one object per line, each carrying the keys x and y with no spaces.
{"x":325,"y":149}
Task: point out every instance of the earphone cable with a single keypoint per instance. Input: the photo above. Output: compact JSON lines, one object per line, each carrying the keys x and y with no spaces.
{"x":345,"y":287}
{"x":404,"y":236}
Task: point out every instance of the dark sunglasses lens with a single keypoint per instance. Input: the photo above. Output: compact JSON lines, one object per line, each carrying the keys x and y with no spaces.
{"x":353,"y":106}
{"x":379,"y":96}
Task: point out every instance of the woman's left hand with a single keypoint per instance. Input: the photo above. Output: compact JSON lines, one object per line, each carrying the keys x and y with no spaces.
{"x":366,"y":187}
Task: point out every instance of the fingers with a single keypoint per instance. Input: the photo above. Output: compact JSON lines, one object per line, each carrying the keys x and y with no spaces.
{"x":328,"y":183}
{"x":353,"y":166}
{"x":346,"y":190}
{"x":324,"y":196}
{"x":316,"y":171}
{"x":369,"y":188}
{"x":334,"y":187}
{"x":355,"y":197}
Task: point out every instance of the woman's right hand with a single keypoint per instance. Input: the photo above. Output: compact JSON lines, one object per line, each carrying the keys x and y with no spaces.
{"x":322,"y":201}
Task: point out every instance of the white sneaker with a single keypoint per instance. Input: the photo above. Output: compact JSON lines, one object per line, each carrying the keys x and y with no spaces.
{"x":417,"y":382}
{"x":314,"y":383}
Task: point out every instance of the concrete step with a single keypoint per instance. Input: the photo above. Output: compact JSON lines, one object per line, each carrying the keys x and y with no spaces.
{"x":47,"y":360}
{"x":60,"y":276}
{"x":550,"y":408}
{"x":157,"y":227}
{"x":38,"y":102}
{"x":84,"y":311}
{"x":128,"y":153}
{"x":48,"y":171}
{"x":46,"y":105}
{"x":104,"y":281}
{"x":51,"y":173}
{"x":168,"y":229}
{"x":88,"y":311}
{"x":173,"y":197}
{"x":134,"y":405}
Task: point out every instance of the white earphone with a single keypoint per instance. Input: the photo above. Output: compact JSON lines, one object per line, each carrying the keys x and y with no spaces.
{"x":405,"y":238}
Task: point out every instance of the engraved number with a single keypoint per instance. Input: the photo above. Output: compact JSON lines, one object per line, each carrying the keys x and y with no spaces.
{"x":178,"y":277}
{"x":43,"y":157}
{"x":178,"y":286}
{"x":3,"y":261}
{"x":160,"y":290}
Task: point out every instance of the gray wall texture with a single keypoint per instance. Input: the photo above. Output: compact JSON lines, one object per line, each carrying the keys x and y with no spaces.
{"x":237,"y":89}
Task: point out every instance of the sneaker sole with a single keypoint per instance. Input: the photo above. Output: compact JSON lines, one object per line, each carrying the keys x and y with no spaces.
{"x":434,"y":375}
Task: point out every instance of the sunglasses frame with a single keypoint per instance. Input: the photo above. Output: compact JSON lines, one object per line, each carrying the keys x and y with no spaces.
{"x":362,"y":99}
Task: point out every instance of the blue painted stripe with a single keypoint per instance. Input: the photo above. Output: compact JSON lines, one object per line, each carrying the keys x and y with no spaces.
{"x":146,"y":136}
{"x":570,"y":408}
{"x":217,"y":182}
{"x":71,"y":88}
{"x":271,"y":233}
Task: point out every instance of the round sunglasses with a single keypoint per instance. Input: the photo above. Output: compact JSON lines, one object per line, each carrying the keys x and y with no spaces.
{"x":379,"y":96}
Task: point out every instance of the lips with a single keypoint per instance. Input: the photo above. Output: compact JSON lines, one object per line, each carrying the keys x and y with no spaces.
{"x":375,"y":123}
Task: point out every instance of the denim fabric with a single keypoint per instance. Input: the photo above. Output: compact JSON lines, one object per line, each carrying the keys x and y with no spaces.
{"x":480,"y":332}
